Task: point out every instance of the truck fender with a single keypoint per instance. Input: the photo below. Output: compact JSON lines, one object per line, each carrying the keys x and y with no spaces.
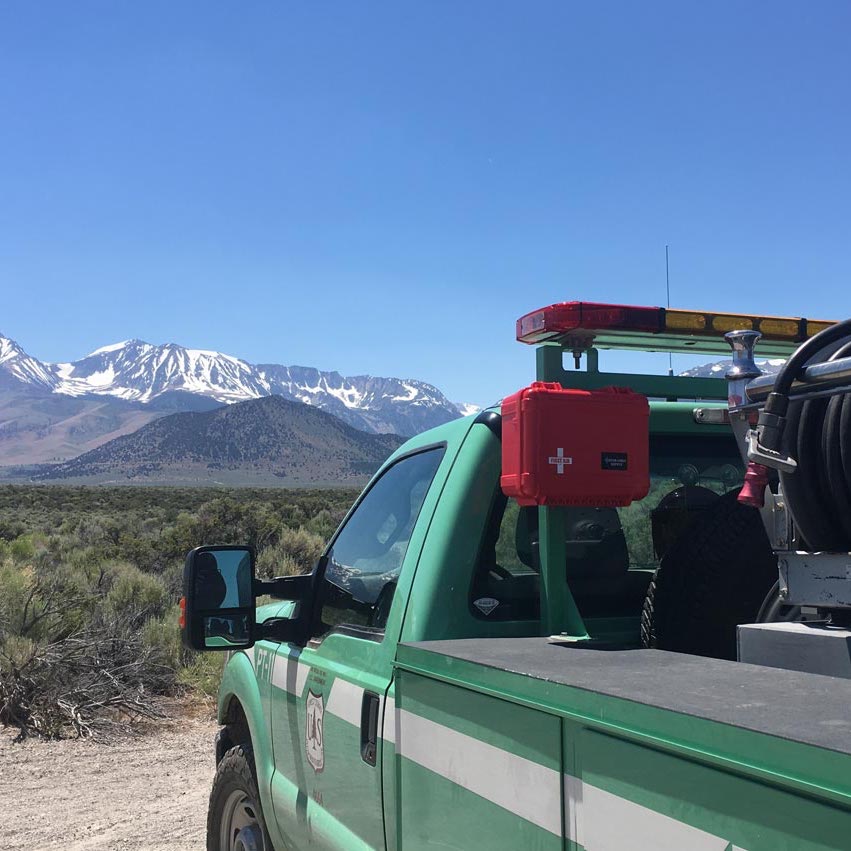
{"x":239,"y":695}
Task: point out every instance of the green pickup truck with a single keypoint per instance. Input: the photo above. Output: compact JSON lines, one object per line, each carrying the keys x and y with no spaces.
{"x":462,"y":671}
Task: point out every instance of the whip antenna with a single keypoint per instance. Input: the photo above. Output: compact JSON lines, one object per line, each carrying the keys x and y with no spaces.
{"x":668,"y":294}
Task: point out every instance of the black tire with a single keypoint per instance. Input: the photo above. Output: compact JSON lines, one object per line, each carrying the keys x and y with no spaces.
{"x":774,"y":610}
{"x":235,"y":798}
{"x":714,"y":577}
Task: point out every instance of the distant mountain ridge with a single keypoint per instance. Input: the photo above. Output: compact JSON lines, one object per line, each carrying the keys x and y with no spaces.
{"x":136,"y":371}
{"x":17,"y":367}
{"x":717,"y":369}
{"x":261,"y":441}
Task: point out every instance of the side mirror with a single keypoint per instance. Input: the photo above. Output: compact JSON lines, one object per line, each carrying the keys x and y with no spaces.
{"x":219,"y":599}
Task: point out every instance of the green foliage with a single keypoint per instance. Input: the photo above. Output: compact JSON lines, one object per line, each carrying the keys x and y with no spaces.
{"x":160,"y":634}
{"x":202,"y":673}
{"x":302,"y":546}
{"x":22,"y":549}
{"x":275,"y":561}
{"x":134,"y":596}
{"x":88,"y":572}
{"x":15,"y":583}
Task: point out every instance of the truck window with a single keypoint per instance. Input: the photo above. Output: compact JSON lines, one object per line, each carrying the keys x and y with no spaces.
{"x":366,"y":556}
{"x":611,"y":553}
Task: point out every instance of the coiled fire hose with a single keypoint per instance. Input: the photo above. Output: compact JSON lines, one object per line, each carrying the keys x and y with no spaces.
{"x":815,"y":433}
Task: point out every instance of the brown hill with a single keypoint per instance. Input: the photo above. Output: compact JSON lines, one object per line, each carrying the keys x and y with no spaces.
{"x":261,"y":441}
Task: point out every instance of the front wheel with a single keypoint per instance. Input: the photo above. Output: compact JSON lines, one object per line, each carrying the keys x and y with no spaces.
{"x":234,"y":819}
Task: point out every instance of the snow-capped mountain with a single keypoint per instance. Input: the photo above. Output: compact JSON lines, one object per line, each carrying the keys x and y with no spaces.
{"x":16,"y":366}
{"x":139,"y":372}
{"x":717,"y":370}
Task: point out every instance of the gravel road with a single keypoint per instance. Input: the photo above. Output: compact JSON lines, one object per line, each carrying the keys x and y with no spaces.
{"x":146,"y":792}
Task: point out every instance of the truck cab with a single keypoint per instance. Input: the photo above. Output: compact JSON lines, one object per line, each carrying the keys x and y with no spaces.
{"x":386,"y":700}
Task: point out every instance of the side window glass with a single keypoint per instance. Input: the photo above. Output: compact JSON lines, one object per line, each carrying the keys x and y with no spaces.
{"x":367,"y":554}
{"x":610,"y":553}
{"x":687,"y":476}
{"x":506,"y":584}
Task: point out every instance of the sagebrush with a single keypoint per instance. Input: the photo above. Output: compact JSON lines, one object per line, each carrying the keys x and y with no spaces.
{"x":90,"y":580}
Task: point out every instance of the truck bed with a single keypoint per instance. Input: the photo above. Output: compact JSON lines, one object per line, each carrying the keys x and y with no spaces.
{"x":549,"y":746}
{"x":807,"y":708}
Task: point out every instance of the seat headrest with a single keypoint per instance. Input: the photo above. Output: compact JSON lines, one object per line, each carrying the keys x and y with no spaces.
{"x":210,"y":586}
{"x":593,"y":536}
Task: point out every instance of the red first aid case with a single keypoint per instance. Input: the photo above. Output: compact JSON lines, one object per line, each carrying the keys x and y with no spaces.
{"x":575,"y":447}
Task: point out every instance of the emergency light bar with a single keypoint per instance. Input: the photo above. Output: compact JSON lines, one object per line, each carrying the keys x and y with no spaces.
{"x":582,"y":324}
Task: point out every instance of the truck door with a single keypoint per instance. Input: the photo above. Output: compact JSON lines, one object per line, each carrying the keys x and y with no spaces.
{"x":329,"y":696}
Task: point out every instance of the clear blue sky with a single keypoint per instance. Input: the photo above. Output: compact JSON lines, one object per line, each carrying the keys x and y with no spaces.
{"x":384,"y":187}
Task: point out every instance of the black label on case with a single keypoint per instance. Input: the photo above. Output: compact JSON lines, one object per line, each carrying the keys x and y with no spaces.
{"x":614,"y":461}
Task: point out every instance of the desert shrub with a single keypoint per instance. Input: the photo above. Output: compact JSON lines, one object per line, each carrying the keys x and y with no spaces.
{"x":172,"y":579}
{"x":89,"y":682}
{"x":303,"y":547}
{"x":43,"y":603}
{"x":11,"y":528}
{"x":276,"y":561}
{"x":22,"y":549}
{"x":202,"y":673}
{"x":162,"y":636}
{"x":324,"y":523}
{"x":17,"y":651}
{"x":295,"y":552}
{"x":72,"y":657}
{"x":91,"y":578}
{"x":16,"y":583}
{"x":133,"y":596}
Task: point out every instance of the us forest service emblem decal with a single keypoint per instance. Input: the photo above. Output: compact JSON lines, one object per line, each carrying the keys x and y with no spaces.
{"x":314,"y":739}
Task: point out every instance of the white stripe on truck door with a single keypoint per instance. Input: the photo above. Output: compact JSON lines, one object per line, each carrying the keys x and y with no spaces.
{"x":595,"y":819}
{"x":289,"y":674}
{"x":528,"y":789}
{"x":602,"y":821}
{"x":344,"y":701}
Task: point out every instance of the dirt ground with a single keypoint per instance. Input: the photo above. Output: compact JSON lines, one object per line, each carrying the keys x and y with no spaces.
{"x":145,"y":792}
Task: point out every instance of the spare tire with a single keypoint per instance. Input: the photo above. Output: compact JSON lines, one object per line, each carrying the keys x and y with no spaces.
{"x":714,"y":577}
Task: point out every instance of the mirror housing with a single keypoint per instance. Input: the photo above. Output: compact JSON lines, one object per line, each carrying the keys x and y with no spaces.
{"x":302,"y":589}
{"x":218,"y":607}
{"x":220,"y":591}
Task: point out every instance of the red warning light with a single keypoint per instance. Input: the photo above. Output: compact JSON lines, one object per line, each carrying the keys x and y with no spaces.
{"x":558,"y":320}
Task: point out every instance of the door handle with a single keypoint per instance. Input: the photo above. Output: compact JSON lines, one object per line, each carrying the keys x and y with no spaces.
{"x":369,"y":727}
